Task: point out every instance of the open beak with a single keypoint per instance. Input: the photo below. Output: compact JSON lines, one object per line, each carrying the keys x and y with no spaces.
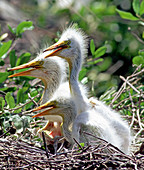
{"x":24,"y":73}
{"x":46,"y":105}
{"x":44,"y":113}
{"x":56,"y":48}
{"x":49,"y":105}
{"x":33,"y":64}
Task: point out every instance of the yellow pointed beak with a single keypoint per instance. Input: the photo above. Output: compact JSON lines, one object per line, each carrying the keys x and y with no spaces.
{"x":33,"y":64}
{"x":44,"y":113}
{"x":46,"y":105}
{"x":24,"y":73}
{"x":49,"y":105}
{"x":56,"y":48}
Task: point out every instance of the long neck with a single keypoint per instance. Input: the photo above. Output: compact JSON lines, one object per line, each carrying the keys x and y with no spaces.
{"x":50,"y":87}
{"x":80,"y":99}
{"x":69,"y":117}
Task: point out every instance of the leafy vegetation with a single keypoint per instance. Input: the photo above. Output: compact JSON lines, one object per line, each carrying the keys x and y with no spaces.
{"x":112,"y":51}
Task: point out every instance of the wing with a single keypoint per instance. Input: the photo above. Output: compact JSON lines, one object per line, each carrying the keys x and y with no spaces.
{"x":92,"y":122}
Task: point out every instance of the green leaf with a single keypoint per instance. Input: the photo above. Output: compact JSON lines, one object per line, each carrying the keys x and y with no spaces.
{"x":18,"y":110}
{"x":95,"y":62}
{"x":2,"y":62}
{"x":98,"y":60}
{"x":92,"y":47}
{"x":82,"y":144}
{"x":142,"y":8}
{"x":143,"y":35}
{"x":82,"y":73}
{"x":28,"y":106}
{"x":2,"y":103}
{"x":20,"y":96}
{"x":3,"y":76}
{"x":138,"y":60}
{"x":17,"y":122}
{"x":8,"y":89}
{"x":141,"y":53}
{"x":10,"y":100}
{"x":26,"y":121}
{"x":23,"y":26}
{"x":5,"y":47}
{"x":12,"y":30}
{"x":100,"y":52}
{"x":24,"y":58}
{"x":13,"y":58}
{"x":127,"y":15}
{"x":136,"y":6}
{"x":33,"y":93}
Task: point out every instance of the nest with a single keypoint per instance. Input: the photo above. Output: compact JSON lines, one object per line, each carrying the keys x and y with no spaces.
{"x":102,"y":155}
{"x":17,"y":154}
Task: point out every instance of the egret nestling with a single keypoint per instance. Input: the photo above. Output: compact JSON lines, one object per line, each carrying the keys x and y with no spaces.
{"x":52,"y":72}
{"x":63,"y":106}
{"x":66,"y":108}
{"x":72,"y":47}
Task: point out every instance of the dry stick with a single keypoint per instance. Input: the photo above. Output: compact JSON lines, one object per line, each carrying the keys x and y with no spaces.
{"x":13,"y":109}
{"x":104,"y":141}
{"x":133,"y":110}
{"x":12,"y":46}
{"x":140,"y":125}
{"x":2,"y":92}
{"x":126,"y":81}
{"x":31,"y":163}
{"x":137,"y":37}
{"x":45,"y":145}
{"x":32,"y":99}
{"x":141,"y":149}
{"x":6,"y":132}
{"x":139,"y":102}
{"x":124,"y":100}
{"x":78,"y":143}
{"x":55,"y":145}
{"x":131,"y":76}
{"x":136,"y":74}
{"x":118,"y":94}
{"x":62,"y":143}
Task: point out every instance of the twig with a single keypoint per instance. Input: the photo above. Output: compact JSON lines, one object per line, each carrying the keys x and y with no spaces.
{"x":137,"y":37}
{"x":104,"y":141}
{"x":45,"y":145}
{"x":120,"y":91}
{"x":78,"y":143}
{"x":133,"y":110}
{"x":140,"y":125}
{"x":12,"y":46}
{"x":4,"y":134}
{"x":2,"y":92}
{"x":32,"y":99}
{"x":126,"y":81}
{"x":118,"y":94}
{"x":141,"y":149}
{"x":22,"y":105}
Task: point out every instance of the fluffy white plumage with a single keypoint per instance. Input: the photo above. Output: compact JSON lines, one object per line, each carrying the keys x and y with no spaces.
{"x":89,"y":121}
{"x":52,"y":71}
{"x":72,"y":46}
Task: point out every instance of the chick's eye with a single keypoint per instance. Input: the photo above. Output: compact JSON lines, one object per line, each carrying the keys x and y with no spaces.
{"x":41,"y":62}
{"x":68,"y":42}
